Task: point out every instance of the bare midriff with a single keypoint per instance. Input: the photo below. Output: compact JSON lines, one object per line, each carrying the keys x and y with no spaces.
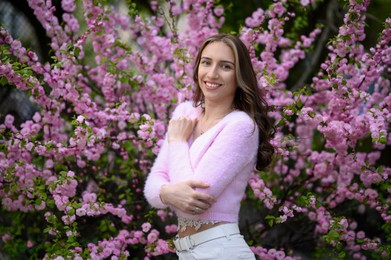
{"x":192,"y":230}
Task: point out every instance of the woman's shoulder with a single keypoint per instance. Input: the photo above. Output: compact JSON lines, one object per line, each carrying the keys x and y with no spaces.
{"x":238,"y":122}
{"x":238,"y":116}
{"x":186,"y":109}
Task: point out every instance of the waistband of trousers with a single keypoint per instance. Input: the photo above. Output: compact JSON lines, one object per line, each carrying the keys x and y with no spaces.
{"x":189,"y":242}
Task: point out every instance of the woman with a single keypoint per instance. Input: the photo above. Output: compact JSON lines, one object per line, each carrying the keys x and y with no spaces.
{"x":210,"y":151}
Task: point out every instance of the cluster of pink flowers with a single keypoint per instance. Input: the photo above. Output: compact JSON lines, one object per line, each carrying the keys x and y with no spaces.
{"x":271,"y":254}
{"x":288,"y":212}
{"x":356,"y":241}
{"x":349,"y":103}
{"x":262,"y":192}
{"x":82,"y":158}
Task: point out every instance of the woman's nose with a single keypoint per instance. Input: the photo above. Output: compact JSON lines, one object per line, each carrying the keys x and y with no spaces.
{"x":213,"y":72}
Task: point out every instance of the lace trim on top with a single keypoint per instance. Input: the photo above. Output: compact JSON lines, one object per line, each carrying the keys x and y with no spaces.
{"x":183,"y":223}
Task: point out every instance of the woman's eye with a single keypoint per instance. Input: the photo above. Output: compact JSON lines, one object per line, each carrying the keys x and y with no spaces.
{"x":205,"y":62}
{"x":226,"y":67}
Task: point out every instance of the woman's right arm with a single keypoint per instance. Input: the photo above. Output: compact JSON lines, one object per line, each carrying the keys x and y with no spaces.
{"x":161,"y":191}
{"x":157,"y":178}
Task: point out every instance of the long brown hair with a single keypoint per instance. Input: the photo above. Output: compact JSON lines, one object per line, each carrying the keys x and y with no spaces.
{"x":247,"y":97}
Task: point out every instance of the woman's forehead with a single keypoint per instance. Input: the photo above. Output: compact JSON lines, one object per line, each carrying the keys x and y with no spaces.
{"x":218,"y":51}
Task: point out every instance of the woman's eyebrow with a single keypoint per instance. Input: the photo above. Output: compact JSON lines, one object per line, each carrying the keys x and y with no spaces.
{"x":226,"y":61}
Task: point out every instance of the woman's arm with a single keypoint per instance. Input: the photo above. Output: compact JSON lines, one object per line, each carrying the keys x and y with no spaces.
{"x":233,"y":149}
{"x":161,"y":191}
{"x":184,"y":197}
{"x":157,"y":178}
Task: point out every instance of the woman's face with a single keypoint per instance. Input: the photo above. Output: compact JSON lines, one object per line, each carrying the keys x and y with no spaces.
{"x":216,"y":73}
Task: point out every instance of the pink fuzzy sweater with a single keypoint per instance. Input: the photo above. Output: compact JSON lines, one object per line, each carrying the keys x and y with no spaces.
{"x":224,"y":156}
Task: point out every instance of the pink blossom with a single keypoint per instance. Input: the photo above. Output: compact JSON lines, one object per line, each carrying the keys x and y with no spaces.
{"x":89,"y":197}
{"x":360,"y":234}
{"x":153,"y":236}
{"x":80,"y":119}
{"x":9,"y":120}
{"x":6,"y":237}
{"x":41,"y":206}
{"x":219,"y":11}
{"x":171,"y":229}
{"x":138,"y":234}
{"x":68,"y":5}
{"x":176,"y":10}
{"x":146,"y":227}
{"x":29,"y":244}
{"x":80,"y":212}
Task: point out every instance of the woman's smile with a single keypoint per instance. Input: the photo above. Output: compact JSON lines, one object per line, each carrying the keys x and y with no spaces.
{"x":211,"y":85}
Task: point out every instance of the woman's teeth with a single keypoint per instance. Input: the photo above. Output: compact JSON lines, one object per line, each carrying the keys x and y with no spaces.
{"x":211,"y":85}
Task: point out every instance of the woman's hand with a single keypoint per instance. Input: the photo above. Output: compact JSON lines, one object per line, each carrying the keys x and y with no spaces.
{"x":182,"y":196}
{"x":180,"y":129}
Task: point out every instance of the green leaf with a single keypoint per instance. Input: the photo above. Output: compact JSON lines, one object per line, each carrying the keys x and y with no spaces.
{"x":3,"y":81}
{"x":76,"y":51}
{"x":71,"y":212}
{"x":271,"y":220}
{"x":38,"y":202}
{"x":383,"y":140}
{"x":299,"y":104}
{"x":281,"y":122}
{"x":112,"y":228}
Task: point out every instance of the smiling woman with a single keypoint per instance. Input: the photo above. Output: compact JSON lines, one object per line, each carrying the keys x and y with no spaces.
{"x":211,"y":148}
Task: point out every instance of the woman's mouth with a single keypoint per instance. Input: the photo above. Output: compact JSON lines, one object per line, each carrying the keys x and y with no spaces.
{"x":212,"y":86}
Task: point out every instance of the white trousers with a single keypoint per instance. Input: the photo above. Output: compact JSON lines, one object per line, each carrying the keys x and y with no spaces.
{"x":229,"y":247}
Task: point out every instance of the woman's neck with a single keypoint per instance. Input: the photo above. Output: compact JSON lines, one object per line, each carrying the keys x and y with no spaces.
{"x":214,"y":111}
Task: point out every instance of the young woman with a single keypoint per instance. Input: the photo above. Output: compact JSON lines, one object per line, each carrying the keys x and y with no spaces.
{"x":212,"y":147}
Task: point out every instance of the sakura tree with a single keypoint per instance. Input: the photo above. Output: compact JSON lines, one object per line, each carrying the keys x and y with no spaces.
{"x":72,"y":176}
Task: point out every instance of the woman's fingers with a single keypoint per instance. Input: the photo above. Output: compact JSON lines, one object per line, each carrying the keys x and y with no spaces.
{"x":183,"y":196}
{"x":198,"y":184}
{"x":180,"y":129}
{"x":199,"y":206}
{"x":200,"y":196}
{"x":206,"y":198}
{"x":198,"y":209}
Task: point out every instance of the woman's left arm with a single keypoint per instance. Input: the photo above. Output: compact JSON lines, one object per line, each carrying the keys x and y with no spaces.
{"x":232,"y":150}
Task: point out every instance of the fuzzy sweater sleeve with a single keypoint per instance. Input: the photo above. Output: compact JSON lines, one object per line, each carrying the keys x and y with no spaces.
{"x":159,"y":174}
{"x":233,"y":149}
{"x":157,"y":177}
